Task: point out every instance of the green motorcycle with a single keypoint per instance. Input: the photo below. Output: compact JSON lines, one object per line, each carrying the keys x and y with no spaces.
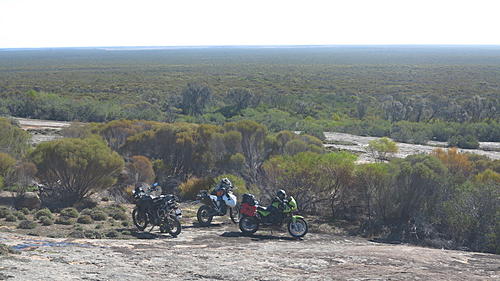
{"x":255,"y":216}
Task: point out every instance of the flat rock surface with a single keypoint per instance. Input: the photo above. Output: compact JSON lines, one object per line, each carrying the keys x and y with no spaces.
{"x":222,"y":253}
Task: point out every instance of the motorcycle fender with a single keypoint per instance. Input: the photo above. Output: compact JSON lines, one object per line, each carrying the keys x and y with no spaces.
{"x":294,"y":218}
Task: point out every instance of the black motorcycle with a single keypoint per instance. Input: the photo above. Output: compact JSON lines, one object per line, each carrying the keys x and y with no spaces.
{"x":213,"y":207}
{"x":162,"y":211}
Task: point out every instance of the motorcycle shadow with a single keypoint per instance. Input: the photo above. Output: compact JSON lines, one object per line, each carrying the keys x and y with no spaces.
{"x":257,"y":237}
{"x":198,"y":225}
{"x":150,"y":235}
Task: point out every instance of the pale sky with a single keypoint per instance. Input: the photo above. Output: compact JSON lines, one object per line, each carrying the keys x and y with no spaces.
{"x":82,"y":23}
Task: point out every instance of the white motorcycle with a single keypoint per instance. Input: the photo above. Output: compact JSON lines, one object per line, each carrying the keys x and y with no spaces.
{"x":213,"y":206}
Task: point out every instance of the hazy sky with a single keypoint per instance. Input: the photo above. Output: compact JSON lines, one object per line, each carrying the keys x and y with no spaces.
{"x":69,"y":23}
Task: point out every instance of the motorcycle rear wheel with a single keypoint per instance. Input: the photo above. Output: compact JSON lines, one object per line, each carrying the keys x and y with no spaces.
{"x":248,"y":225}
{"x":140,"y":219}
{"x":204,"y":215}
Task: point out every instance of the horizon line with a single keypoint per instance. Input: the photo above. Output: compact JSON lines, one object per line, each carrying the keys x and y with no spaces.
{"x":152,"y":47}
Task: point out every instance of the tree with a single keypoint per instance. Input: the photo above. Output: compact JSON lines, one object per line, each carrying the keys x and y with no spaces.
{"x":7,"y":164}
{"x":195,"y":98}
{"x":458,"y":164}
{"x":72,"y":169}
{"x":253,"y":145}
{"x":381,"y":148}
{"x":318,"y":181}
{"x":13,"y":139}
{"x":239,"y":98}
{"x":373,"y":180}
{"x":140,"y":169}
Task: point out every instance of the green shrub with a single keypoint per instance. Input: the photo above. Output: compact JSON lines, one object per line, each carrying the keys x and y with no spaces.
{"x":119,"y":216}
{"x":190,"y":188}
{"x":117,"y":212}
{"x":27,"y":224}
{"x":467,"y":142}
{"x":11,"y":217}
{"x":19,"y":215}
{"x":98,"y":216}
{"x":25,"y":211}
{"x":92,"y":234}
{"x":112,"y":234}
{"x":46,"y":221}
{"x":125,"y":223}
{"x":126,"y":232}
{"x":64,"y":221}
{"x":85,"y":219}
{"x":44,"y":213}
{"x":70,"y":213}
{"x":105,"y":199}
{"x":99,"y":226}
{"x":4,"y":213}
{"x":4,"y":250}
{"x":86,"y":212}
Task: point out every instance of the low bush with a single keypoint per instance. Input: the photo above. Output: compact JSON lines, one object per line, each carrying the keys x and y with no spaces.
{"x":27,"y":224}
{"x":98,"y":216}
{"x":89,"y":234}
{"x":85,"y":219}
{"x":467,"y":142}
{"x":19,"y":215}
{"x":86,"y":212}
{"x":44,"y":213}
{"x":4,"y":250}
{"x":119,"y":216}
{"x":64,"y":221}
{"x":125,"y":223}
{"x":46,"y":221}
{"x":11,"y":218}
{"x":25,"y":211}
{"x":112,"y":234}
{"x":190,"y":188}
{"x":4,"y":212}
{"x":70,"y":212}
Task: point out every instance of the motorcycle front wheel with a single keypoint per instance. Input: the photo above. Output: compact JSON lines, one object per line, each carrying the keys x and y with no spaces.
{"x":298,"y":228}
{"x":204,"y":215}
{"x":249,"y":225}
{"x":140,"y":219}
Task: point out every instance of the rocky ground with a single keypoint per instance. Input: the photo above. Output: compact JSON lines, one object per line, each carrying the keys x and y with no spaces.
{"x":222,"y":253}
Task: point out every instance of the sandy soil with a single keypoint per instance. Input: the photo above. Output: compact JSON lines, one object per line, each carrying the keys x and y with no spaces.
{"x":222,"y":253}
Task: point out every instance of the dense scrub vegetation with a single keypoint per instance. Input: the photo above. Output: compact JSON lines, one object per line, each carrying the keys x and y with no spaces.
{"x":232,"y":112}
{"x":411,"y":94}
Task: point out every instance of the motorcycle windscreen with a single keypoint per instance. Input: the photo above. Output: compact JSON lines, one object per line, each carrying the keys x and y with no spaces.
{"x":230,"y":200}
